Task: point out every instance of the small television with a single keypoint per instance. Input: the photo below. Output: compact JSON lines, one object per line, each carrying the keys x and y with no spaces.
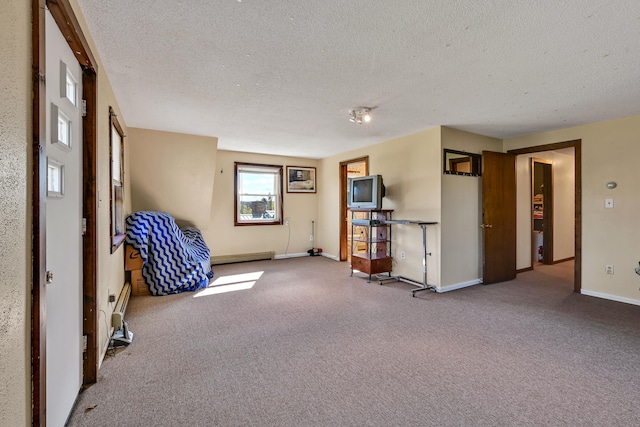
{"x":366,"y":192}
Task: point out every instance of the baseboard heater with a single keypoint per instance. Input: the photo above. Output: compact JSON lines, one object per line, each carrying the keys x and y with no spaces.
{"x":255,"y":256}
{"x":121,"y":335}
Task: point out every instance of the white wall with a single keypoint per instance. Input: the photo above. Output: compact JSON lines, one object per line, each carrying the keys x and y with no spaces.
{"x":15,"y":226}
{"x":610,"y":150}
{"x":462,"y":212}
{"x":563,"y":205}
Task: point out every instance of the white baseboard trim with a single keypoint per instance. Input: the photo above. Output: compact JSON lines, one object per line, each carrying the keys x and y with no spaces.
{"x":303,"y":254}
{"x":285,"y":256}
{"x":609,"y":297}
{"x":229,"y":259}
{"x":456,"y":286}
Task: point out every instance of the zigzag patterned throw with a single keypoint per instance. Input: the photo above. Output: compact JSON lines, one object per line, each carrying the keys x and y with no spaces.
{"x":175,"y":259}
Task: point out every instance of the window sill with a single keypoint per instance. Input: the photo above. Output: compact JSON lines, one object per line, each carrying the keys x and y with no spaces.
{"x":116,"y":242}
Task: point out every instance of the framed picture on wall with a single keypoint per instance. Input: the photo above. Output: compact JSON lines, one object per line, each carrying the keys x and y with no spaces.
{"x":301,"y":179}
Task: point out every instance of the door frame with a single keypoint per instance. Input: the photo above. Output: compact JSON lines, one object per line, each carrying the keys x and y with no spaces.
{"x":70,"y":28}
{"x":576,"y":144}
{"x":343,"y":202}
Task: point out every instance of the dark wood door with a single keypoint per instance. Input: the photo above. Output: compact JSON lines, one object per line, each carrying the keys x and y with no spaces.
{"x":498,"y":217}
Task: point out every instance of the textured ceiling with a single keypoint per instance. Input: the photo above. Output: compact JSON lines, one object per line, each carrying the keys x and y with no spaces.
{"x":280,"y":77}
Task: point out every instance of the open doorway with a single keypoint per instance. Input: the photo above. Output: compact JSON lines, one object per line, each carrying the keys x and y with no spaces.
{"x":568,"y":199}
{"x":348,"y":169}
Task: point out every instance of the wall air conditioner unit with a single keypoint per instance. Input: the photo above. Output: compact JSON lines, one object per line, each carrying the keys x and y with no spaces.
{"x":122,"y":336}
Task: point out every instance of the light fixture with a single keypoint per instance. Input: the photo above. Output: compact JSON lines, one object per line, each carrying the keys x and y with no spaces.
{"x":360,"y":115}
{"x":611,"y":185}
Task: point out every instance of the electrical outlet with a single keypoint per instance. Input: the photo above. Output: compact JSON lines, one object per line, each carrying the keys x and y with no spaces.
{"x":311,"y":238}
{"x":609,"y":269}
{"x":403,"y":255}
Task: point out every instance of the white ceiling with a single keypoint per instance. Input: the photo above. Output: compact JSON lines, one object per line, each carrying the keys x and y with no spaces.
{"x":280,"y":77}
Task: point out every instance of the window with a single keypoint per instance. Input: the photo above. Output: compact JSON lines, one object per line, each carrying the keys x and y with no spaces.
{"x":258,"y":191}
{"x":64,"y":129}
{"x":68,"y":84}
{"x":116,"y":141}
{"x":60,"y":128}
{"x":55,"y":178}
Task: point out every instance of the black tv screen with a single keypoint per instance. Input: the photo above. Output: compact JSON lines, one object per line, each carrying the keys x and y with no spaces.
{"x":362,"y":191}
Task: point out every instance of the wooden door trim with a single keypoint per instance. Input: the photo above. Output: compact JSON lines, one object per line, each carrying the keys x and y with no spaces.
{"x":577,"y":145}
{"x":64,"y":16}
{"x":90,"y":327}
{"x":343,"y":202}
{"x":38,"y":224}
{"x":548,"y":221}
{"x":66,"y":21}
{"x":547,"y":214}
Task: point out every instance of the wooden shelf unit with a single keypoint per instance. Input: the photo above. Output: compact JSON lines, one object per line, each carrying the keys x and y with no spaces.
{"x":375,"y":234}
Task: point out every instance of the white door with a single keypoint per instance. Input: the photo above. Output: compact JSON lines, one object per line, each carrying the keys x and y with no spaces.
{"x":64,"y":226}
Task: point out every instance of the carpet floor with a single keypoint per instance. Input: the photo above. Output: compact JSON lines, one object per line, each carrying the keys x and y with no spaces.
{"x":298,"y":342}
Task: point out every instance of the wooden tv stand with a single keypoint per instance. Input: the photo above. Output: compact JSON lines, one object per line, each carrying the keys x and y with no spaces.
{"x":371,"y":231}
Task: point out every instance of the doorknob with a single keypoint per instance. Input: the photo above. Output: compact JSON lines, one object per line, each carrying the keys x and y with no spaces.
{"x":486,"y":226}
{"x":49,"y":277}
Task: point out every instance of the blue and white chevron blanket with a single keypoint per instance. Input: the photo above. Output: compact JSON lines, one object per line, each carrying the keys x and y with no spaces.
{"x":175,"y":259}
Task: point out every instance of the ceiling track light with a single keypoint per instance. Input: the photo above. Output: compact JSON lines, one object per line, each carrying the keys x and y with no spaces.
{"x":360,"y":115}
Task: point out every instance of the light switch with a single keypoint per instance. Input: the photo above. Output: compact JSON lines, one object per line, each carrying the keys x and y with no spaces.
{"x":608,"y":203}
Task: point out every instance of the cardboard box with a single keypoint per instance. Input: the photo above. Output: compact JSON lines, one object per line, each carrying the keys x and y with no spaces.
{"x":132,"y":260}
{"x":138,"y":286}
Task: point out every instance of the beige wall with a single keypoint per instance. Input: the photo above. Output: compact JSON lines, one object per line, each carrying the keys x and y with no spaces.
{"x":224,"y":238}
{"x":462,"y":213}
{"x":610,"y":150}
{"x":563,"y":205}
{"x":15,"y":227}
{"x":187,"y":177}
{"x":110,"y":266}
{"x":410,"y":168}
{"x":173,"y":173}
